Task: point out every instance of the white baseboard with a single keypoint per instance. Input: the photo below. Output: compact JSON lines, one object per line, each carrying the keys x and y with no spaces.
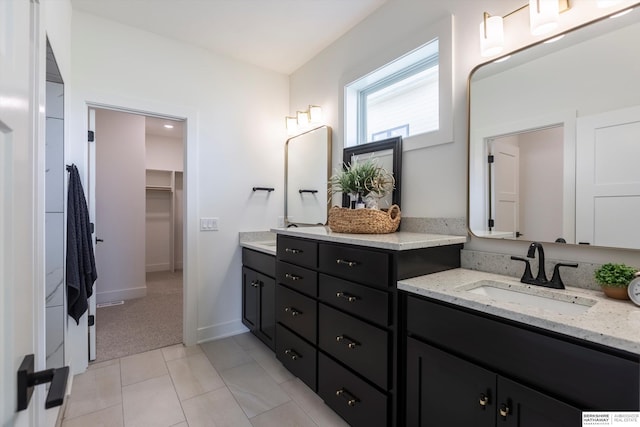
{"x":221,"y":330}
{"x":150,"y":268}
{"x":121,"y":294}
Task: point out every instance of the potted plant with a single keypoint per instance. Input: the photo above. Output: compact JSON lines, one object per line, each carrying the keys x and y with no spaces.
{"x":614,"y":279}
{"x":365,"y":181}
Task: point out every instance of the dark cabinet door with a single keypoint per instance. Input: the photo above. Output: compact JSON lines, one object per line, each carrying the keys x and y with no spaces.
{"x":520,"y":406}
{"x":267,"y":311}
{"x":445,"y":391}
{"x":258,"y":305}
{"x":250,"y":298}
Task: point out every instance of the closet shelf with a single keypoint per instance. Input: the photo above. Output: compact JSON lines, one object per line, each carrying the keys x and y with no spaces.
{"x":159,"y":188}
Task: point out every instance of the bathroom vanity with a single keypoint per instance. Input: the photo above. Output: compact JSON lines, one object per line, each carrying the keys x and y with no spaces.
{"x":336,"y":312}
{"x":484,"y":360}
{"x":388,"y":330}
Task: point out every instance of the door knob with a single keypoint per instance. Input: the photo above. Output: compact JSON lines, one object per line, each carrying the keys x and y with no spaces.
{"x":99,"y":240}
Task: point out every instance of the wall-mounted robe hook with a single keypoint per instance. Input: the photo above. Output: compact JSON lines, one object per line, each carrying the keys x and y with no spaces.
{"x":269,"y":189}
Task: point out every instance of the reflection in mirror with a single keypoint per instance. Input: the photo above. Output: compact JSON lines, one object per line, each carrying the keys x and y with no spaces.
{"x":386,"y":153}
{"x":562,"y":122}
{"x":307,"y":170}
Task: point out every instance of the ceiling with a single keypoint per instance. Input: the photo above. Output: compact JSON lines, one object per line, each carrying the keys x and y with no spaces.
{"x":280,"y":35}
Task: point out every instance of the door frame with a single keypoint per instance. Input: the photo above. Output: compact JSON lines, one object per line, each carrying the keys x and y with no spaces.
{"x":190,"y":207}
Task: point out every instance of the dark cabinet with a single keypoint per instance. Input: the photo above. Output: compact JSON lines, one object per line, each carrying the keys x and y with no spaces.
{"x":258,"y":295}
{"x":444,"y":390}
{"x":469,"y":368}
{"x":337,"y":320}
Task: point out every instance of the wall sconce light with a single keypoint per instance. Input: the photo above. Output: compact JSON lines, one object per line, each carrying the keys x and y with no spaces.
{"x":304,"y":119}
{"x":491,"y":35}
{"x":543,"y":18}
{"x":315,"y":114}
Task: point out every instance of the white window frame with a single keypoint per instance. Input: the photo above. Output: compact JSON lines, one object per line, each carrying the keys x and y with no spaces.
{"x":443,"y":31}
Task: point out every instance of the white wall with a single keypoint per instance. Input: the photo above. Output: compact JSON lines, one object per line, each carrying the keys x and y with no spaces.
{"x":434,"y":179}
{"x":164,"y":153}
{"x":226,"y":155}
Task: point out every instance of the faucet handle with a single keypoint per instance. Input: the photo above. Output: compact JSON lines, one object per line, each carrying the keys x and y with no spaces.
{"x":556,"y":280}
{"x":527,"y":277}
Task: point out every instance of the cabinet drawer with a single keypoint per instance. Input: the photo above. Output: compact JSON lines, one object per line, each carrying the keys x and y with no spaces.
{"x":360,"y":265}
{"x":360,"y":345}
{"x":353,"y":298}
{"x":259,"y":261}
{"x":297,"y":356}
{"x":359,"y":403}
{"x":299,"y":278}
{"x":297,"y":312}
{"x":559,"y":366}
{"x":298,"y":251}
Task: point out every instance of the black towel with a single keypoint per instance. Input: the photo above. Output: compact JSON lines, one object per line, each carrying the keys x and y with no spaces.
{"x":81,"y":265}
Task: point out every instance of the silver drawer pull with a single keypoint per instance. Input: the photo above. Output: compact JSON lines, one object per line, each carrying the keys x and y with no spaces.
{"x":345,"y":262}
{"x":351,"y":399}
{"x":292,"y":354}
{"x":292,"y":251}
{"x":255,"y":283}
{"x":292,"y":311}
{"x":292,"y":277}
{"x":351,"y":344}
{"x":350,"y":298}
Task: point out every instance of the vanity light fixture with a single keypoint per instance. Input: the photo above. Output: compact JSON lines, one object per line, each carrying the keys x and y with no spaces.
{"x":543,"y":18}
{"x":303,"y":119}
{"x":168,"y":126}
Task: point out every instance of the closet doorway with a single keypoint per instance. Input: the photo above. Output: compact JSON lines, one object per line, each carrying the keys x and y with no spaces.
{"x":139,"y":202}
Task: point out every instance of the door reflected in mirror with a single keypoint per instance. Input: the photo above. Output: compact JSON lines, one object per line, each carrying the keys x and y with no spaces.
{"x":526,"y":185}
{"x":307,"y":171}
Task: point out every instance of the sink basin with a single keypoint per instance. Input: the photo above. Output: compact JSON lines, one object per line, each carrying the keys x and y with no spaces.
{"x":532,"y":296}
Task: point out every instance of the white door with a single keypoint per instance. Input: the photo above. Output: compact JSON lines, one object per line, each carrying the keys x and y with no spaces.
{"x":505,"y":186}
{"x":19,"y":266}
{"x":607,"y":179}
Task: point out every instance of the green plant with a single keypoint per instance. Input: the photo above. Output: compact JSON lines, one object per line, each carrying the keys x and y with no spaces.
{"x":364,"y":179}
{"x":614,"y":275}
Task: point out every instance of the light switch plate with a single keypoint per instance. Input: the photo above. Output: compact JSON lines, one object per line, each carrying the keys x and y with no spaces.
{"x":209,"y":224}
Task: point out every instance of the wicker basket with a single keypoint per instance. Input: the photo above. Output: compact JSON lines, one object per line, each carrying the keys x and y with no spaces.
{"x":364,"y":221}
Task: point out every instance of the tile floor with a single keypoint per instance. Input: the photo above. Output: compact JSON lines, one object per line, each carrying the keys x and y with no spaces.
{"x":233,"y":382}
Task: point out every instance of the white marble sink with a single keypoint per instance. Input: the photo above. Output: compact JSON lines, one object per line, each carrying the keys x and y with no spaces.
{"x":532,"y":296}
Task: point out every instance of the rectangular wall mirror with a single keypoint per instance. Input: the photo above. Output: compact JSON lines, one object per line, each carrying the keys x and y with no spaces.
{"x":307,"y":171}
{"x":553,"y":139}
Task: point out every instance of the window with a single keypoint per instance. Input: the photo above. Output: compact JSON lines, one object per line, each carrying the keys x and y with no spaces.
{"x":404,"y":103}
{"x":409,"y":97}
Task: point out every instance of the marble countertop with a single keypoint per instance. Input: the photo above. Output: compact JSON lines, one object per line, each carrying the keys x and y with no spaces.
{"x":399,"y":241}
{"x":266,"y":246}
{"x":609,"y":322}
